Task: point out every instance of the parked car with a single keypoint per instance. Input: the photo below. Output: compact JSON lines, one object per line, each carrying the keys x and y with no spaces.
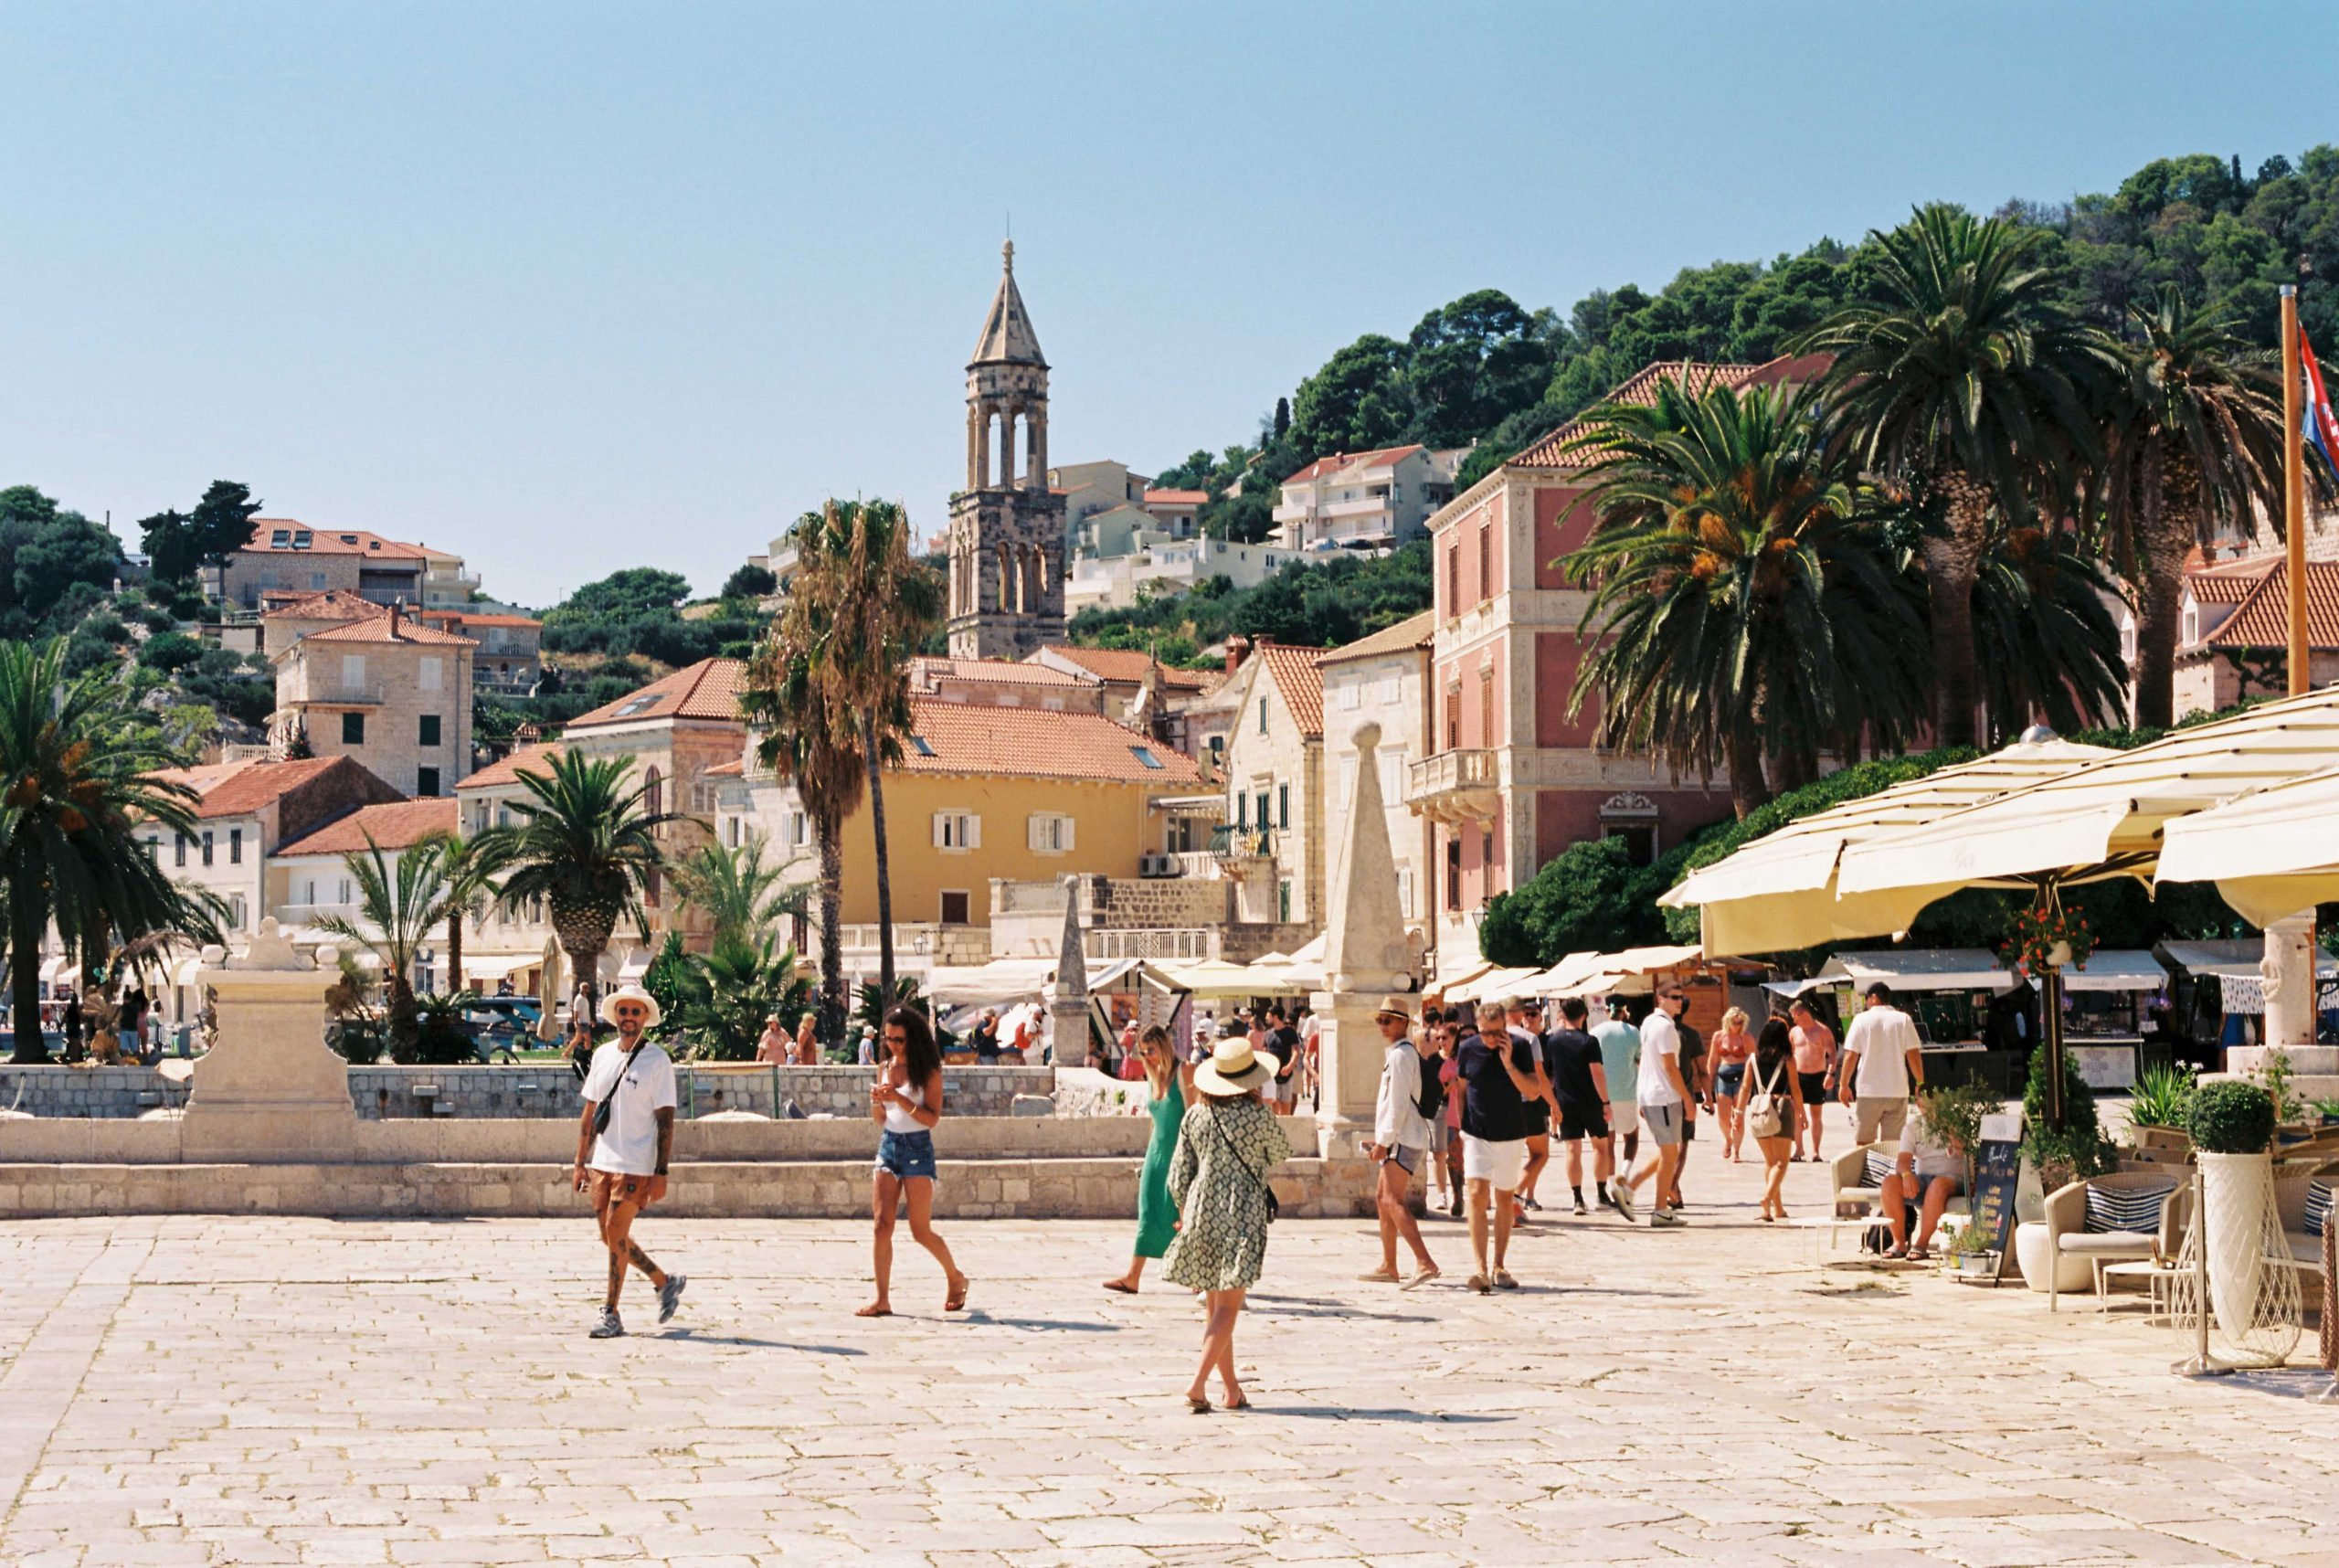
{"x":502,"y":1024}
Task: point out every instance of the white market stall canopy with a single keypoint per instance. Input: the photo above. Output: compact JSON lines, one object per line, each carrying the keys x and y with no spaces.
{"x":1919,"y":968}
{"x":1494,"y":985}
{"x":2233,"y":965}
{"x":499,"y":966}
{"x":987,"y":985}
{"x":2117,"y":969}
{"x":1779,"y":892}
{"x":1217,"y":977}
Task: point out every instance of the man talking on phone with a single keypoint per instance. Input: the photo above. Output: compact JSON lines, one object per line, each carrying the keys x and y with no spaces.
{"x":624,"y":1141}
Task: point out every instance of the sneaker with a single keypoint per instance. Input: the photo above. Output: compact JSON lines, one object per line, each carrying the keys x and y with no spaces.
{"x":669,"y":1295}
{"x":1624,"y":1202}
{"x":1662,"y":1221}
{"x":1532,"y":1204}
{"x":610,"y":1326}
{"x":1580,"y":1208}
{"x":1454,"y":1213}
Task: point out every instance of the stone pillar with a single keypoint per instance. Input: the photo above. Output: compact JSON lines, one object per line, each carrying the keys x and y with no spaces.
{"x":1039,"y":419}
{"x":2288,"y":972}
{"x":270,"y":1091}
{"x":1365,"y":958}
{"x":1007,"y":449}
{"x":978,"y":446}
{"x":1068,"y":997}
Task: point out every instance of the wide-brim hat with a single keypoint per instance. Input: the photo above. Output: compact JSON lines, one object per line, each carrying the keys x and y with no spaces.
{"x":1395,"y":1007}
{"x":631,"y":993}
{"x":1234,"y":1068}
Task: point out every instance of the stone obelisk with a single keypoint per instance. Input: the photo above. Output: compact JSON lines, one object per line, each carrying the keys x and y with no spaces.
{"x":1366,"y":956}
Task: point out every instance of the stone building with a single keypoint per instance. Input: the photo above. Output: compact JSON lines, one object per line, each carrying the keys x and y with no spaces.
{"x":513,"y":942}
{"x":1007,"y":529}
{"x":308,"y":877}
{"x":286,"y":556}
{"x":1272,"y":841}
{"x":394,"y":694}
{"x":1384,"y":679}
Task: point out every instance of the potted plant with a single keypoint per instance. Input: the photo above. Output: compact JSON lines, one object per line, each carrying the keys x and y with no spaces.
{"x":2077,"y":1149}
{"x":1967,"y":1248}
{"x":2156,"y":1111}
{"x":2232,"y":1124}
{"x":2046,"y":933}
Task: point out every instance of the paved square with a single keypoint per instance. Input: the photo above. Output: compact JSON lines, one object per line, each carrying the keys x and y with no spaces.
{"x":261,"y":1391}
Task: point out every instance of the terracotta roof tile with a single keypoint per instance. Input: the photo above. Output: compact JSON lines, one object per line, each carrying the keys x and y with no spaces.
{"x":706,"y":690}
{"x":401,"y":824}
{"x":1176,"y":497}
{"x":1028,"y":743}
{"x":1130,"y":664}
{"x":383,"y":629}
{"x":735,"y":769}
{"x":536,"y":759}
{"x":2227,"y":582}
{"x":1638,"y":390}
{"x":466,"y":618}
{"x":334,"y":604}
{"x":1324,"y":467}
{"x":924,"y":671}
{"x":242,"y":789}
{"x":1414,"y":632}
{"x":1300,"y":682}
{"x":327,"y":542}
{"x":2262,"y":617}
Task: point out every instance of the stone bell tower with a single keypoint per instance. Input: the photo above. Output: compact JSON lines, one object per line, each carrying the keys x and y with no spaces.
{"x":1007,"y":548}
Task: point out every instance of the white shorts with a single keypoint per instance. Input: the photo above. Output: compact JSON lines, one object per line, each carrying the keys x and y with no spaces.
{"x":1503,"y":1164}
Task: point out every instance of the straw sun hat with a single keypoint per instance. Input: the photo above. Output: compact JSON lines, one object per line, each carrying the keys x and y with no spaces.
{"x":630,"y":993}
{"x":1234,"y":1068}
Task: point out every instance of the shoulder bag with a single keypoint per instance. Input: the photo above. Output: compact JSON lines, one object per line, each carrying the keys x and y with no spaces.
{"x":601,"y":1111}
{"x":1274,"y":1207}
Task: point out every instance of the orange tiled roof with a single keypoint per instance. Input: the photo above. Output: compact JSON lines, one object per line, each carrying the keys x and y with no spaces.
{"x":1380,"y":457}
{"x":536,"y":759}
{"x":1176,"y":497}
{"x":466,"y":618}
{"x":1414,"y":632}
{"x":1033,"y":743}
{"x":333,"y":604}
{"x":387,"y":629}
{"x":1638,"y":390}
{"x":2227,"y":582}
{"x":2262,"y":618}
{"x":1130,"y":664}
{"x":925,"y":671}
{"x":328,"y":542}
{"x":736,"y":767}
{"x":242,"y":789}
{"x":400,"y":824}
{"x":1301,"y":682}
{"x":706,"y":690}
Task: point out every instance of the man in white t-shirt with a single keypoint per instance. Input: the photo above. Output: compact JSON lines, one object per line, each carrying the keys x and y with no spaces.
{"x":1662,"y":1095}
{"x":1883,"y":1065}
{"x":1930,"y":1171}
{"x":624,"y":1162}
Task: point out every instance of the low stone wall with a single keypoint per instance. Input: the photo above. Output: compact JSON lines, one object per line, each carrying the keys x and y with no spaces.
{"x":968,"y":1189}
{"x":530,"y":1140}
{"x":549,"y":1089}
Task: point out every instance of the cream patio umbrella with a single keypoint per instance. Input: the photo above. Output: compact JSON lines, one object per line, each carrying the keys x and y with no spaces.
{"x":2272,"y":852}
{"x":2099,"y":819}
{"x":1779,"y":892}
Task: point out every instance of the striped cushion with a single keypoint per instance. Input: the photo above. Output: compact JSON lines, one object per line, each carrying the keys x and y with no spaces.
{"x":2126,"y":1209}
{"x":2318,"y":1207}
{"x":1876,"y":1169}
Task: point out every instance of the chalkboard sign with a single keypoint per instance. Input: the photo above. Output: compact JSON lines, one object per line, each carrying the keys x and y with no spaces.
{"x":1998,"y":1173}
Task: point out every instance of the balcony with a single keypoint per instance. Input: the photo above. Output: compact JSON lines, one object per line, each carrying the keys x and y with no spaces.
{"x":1242,"y":852}
{"x":1455,"y":786}
{"x":339,"y":694}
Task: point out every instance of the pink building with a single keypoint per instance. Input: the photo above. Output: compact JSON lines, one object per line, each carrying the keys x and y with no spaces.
{"x":1509,"y":778}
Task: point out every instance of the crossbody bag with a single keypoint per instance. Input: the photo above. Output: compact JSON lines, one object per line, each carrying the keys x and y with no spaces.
{"x":1274,"y":1208}
{"x":601,"y":1111}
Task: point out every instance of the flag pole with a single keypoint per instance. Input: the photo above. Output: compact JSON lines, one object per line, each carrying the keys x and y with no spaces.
{"x":2294,"y":496}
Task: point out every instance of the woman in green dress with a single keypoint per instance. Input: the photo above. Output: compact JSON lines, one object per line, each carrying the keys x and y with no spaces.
{"x":1218,"y":1178}
{"x":1157,"y":1217}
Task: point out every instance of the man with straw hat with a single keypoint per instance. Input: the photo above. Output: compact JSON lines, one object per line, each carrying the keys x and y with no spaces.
{"x":625,"y":1139}
{"x":1400,"y":1141}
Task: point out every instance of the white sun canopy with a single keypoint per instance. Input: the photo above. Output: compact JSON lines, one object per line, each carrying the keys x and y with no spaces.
{"x":1779,"y":892}
{"x":2272,"y":852}
{"x":1919,"y":969}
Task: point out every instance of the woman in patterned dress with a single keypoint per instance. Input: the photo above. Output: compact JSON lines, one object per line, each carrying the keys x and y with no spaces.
{"x":1227,"y":1143}
{"x":1173,"y":1091}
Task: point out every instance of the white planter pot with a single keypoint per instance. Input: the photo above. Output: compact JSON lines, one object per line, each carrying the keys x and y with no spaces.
{"x":2059,"y":955}
{"x":2235,"y":1191}
{"x":2030,"y":1257}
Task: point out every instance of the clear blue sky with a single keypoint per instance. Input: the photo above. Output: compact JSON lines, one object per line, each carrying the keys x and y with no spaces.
{"x":569,"y":287}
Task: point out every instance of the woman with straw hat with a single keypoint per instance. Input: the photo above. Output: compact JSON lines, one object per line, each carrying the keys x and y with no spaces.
{"x":1218,"y":1178}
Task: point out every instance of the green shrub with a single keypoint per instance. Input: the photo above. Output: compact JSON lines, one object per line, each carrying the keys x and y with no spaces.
{"x":170,"y":650}
{"x":2079,"y":1146}
{"x":2161,"y":1098}
{"x":2232,"y":1118}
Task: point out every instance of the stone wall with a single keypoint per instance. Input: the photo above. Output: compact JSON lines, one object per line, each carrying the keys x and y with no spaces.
{"x":995,"y":1189}
{"x":383,"y":1092}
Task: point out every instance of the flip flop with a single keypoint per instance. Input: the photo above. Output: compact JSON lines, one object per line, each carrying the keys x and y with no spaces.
{"x":1118,"y":1287}
{"x":957,"y":1299}
{"x":873,"y":1311}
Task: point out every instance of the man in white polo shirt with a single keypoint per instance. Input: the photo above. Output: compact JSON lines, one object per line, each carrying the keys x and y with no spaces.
{"x":624,"y":1140}
{"x":1662,"y":1096}
{"x":1883,"y":1065}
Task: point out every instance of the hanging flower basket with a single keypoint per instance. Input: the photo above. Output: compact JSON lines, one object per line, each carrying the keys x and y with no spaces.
{"x":2047,"y":934}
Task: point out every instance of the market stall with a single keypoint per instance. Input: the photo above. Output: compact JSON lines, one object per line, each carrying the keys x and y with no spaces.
{"x":1951,"y":995}
{"x":2110,"y":1014}
{"x":2218,"y":996}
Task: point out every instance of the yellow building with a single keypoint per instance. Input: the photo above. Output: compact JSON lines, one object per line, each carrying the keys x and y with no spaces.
{"x":982,"y":793}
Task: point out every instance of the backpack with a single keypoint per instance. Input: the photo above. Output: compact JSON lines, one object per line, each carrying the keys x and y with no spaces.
{"x":1432,"y":1098}
{"x":1766,"y":1111}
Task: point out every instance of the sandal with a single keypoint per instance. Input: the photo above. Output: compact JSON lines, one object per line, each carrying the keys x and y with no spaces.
{"x":875,"y":1310}
{"x":1897,"y":1252}
{"x":1240,"y":1402}
{"x":957,"y":1299}
{"x":1478,"y":1283}
{"x":1118,"y":1287}
{"x":1920,"y":1255}
{"x":1197,"y":1406}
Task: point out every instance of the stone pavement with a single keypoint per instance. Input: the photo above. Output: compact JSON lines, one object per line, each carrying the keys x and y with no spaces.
{"x":256,"y":1391}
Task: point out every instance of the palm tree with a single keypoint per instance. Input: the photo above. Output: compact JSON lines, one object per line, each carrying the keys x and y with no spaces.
{"x":2194,"y":439}
{"x":2045,"y":641}
{"x":1964,"y":380}
{"x":75,"y":779}
{"x":728,"y":993}
{"x":855,"y":579}
{"x":399,"y":904}
{"x":584,"y":846}
{"x":1745,"y":604}
{"x":741,"y":895}
{"x":806,"y":743}
{"x":471,"y":869}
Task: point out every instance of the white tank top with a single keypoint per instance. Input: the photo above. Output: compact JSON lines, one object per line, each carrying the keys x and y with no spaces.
{"x":897,"y":1115}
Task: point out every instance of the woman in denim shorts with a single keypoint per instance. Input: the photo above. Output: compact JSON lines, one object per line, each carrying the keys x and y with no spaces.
{"x":906,"y":1102}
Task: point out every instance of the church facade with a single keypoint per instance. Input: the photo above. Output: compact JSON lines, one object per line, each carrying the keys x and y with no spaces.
{"x":1007,"y":527}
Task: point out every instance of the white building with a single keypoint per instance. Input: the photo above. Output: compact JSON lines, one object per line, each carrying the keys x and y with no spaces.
{"x":1374,"y":500}
{"x":1385,"y":679}
{"x":1168,"y":567}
